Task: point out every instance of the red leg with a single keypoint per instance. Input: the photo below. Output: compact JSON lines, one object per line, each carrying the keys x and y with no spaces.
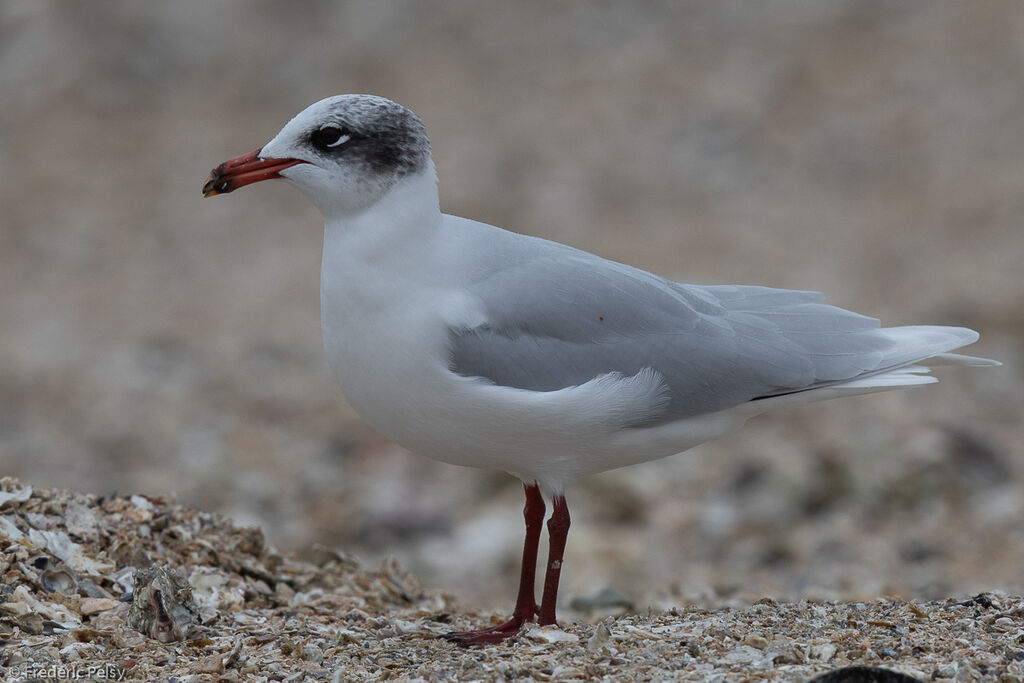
{"x":558,"y":530}
{"x":526,"y":603}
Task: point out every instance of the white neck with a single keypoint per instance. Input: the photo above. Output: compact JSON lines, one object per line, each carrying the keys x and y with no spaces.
{"x":407,"y":214}
{"x":371,"y":255}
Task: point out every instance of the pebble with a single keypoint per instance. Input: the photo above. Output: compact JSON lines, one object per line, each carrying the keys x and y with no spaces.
{"x":90,"y":606}
{"x":600,"y":638}
{"x":823,"y":651}
{"x":551,"y":634}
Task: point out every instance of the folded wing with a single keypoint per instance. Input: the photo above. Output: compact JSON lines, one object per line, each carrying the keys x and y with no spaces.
{"x":563,"y":319}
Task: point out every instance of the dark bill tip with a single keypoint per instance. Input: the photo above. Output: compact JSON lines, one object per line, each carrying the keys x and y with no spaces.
{"x":244,"y":170}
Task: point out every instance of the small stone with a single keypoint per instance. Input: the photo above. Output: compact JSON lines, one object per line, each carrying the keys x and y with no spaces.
{"x":142,"y":503}
{"x":140,"y":515}
{"x":600,"y":638}
{"x":311,"y":653}
{"x":15,"y":496}
{"x":744,"y":654}
{"x":1004,"y":624}
{"x":209,"y":665}
{"x":89,"y":589}
{"x":322,"y":555}
{"x":823,"y":651}
{"x":80,"y":521}
{"x":56,"y":543}
{"x":551,"y":634}
{"x":918,"y":612}
{"x":403,"y":626}
{"x":91,"y":606}
{"x":10,"y":529}
{"x":756,"y":640}
{"x":284,"y":592}
{"x":54,"y":581}
{"x":785,"y":653}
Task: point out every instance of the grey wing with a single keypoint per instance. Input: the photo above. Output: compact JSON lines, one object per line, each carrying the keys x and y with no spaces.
{"x":560,"y":321}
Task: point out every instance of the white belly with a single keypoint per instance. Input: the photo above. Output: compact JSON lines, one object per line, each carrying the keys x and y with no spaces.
{"x":393,"y":371}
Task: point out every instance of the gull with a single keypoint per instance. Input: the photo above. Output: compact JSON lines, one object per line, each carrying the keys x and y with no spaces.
{"x":481,"y":347}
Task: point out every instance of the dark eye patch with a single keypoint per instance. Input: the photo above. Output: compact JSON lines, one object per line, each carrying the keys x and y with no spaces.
{"x":330,"y":138}
{"x":385,"y":139}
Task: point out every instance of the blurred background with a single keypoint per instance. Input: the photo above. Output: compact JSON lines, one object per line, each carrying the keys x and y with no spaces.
{"x":155,"y":342}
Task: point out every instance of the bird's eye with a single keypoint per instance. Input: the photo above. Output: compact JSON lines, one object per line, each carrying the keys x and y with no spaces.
{"x":330,"y":136}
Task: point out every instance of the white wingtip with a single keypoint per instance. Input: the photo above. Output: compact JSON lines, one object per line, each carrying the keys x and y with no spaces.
{"x":962,"y":359}
{"x":906,"y":376}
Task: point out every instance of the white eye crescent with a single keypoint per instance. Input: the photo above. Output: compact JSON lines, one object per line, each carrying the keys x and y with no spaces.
{"x":340,"y":141}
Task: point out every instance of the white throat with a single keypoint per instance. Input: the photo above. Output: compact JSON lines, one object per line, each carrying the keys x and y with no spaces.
{"x":409,"y":209}
{"x":368,"y":253}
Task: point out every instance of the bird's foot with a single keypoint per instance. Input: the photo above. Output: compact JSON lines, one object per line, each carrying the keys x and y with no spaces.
{"x":494,"y":634}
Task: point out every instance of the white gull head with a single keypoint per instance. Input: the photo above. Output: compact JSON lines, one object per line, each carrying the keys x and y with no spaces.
{"x":344,"y":153}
